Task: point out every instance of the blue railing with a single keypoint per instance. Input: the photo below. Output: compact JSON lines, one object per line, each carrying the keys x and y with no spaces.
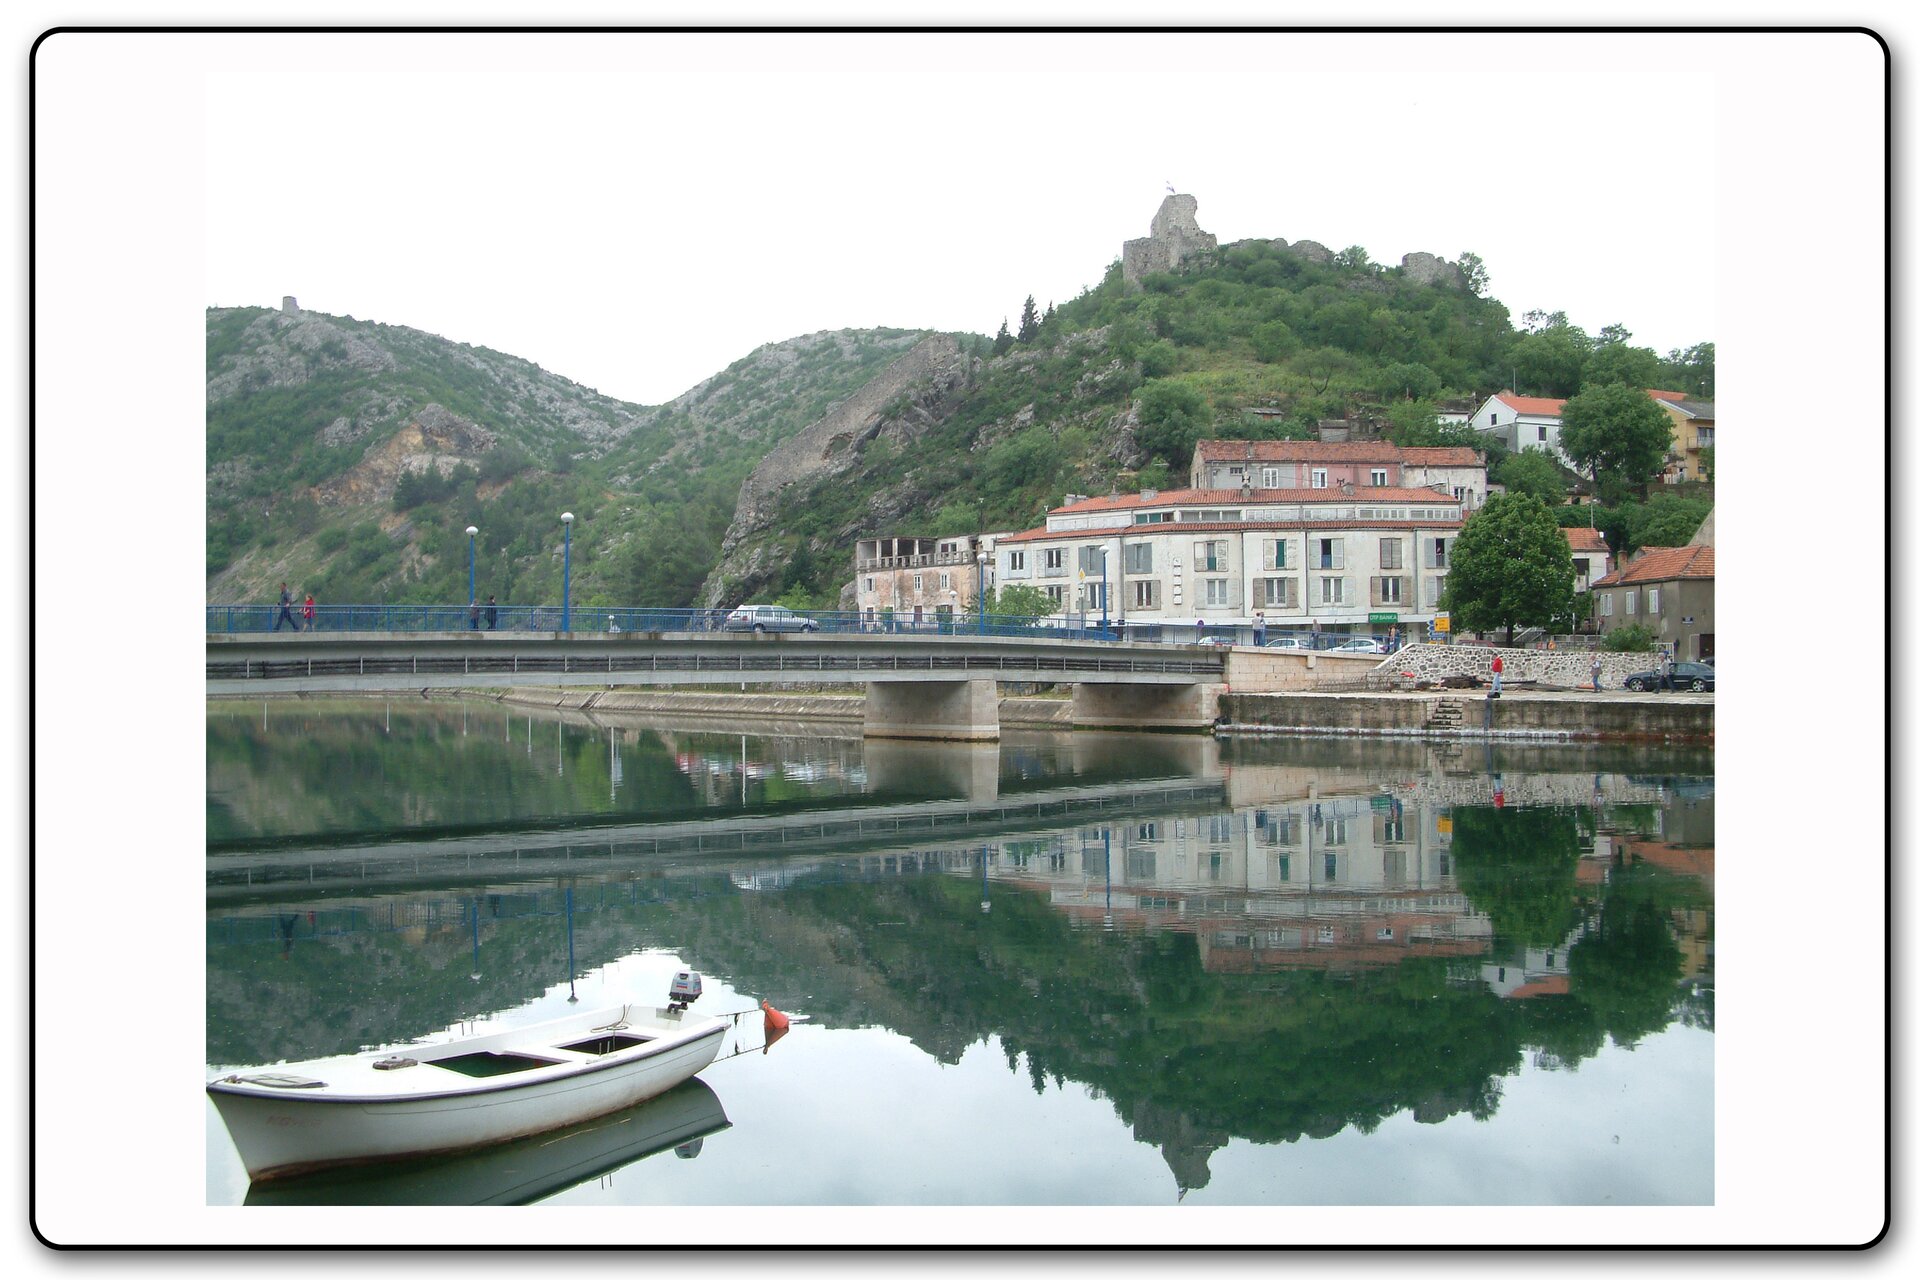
{"x":258,"y":618}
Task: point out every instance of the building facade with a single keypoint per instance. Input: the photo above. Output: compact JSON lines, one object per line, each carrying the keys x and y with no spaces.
{"x":1592,"y":558}
{"x":919,"y":580}
{"x":1667,"y":589}
{"x":1692,"y":433}
{"x":1324,"y":464}
{"x":1344,"y":558}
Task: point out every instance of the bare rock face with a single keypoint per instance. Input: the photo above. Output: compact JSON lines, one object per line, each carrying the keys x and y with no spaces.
{"x":1425,"y":268}
{"x":434,"y":439}
{"x":287,"y":348}
{"x":1175,"y":237}
{"x":1312,"y":251}
{"x":907,"y":397}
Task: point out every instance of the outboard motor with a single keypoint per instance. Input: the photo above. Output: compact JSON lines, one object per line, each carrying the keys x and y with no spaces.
{"x":684,"y":991}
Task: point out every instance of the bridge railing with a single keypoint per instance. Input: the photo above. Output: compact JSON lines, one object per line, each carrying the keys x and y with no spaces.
{"x":238,"y":619}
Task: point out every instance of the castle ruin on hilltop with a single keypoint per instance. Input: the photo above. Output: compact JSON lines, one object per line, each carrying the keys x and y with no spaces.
{"x":1176,"y":237}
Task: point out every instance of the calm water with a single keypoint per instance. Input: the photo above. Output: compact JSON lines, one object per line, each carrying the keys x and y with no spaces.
{"x":1069,"y":969}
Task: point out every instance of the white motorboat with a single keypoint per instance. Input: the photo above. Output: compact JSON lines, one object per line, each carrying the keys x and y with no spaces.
{"x":459,"y":1093}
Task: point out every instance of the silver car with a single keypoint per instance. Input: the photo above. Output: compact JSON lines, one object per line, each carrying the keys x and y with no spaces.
{"x":769,"y":617}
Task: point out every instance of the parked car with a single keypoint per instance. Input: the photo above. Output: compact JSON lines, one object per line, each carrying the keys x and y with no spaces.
{"x":1360,"y":644}
{"x":769,"y":617}
{"x":1288,"y":642}
{"x":1697,"y":676}
{"x":1222,"y":642}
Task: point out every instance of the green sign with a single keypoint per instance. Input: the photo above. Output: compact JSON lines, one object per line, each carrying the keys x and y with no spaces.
{"x":1383,"y":617}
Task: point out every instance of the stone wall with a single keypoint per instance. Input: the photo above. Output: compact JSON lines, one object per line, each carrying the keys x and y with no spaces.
{"x":1555,"y":668}
{"x":1632,"y":718}
{"x":1175,"y":237}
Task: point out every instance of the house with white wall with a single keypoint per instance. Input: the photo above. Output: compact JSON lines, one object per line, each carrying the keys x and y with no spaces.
{"x":1522,"y":422}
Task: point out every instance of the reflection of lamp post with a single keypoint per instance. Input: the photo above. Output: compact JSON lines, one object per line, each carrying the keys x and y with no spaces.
{"x":981,"y":596}
{"x":566,"y":573}
{"x":472,"y":531}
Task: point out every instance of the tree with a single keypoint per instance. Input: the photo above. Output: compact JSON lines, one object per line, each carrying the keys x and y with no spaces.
{"x":1018,"y":600}
{"x":1173,"y":418}
{"x":1617,"y":434}
{"x":1408,"y":381}
{"x":1510,"y":567}
{"x":1691,"y":370}
{"x":1002,"y":340}
{"x":1548,"y":360}
{"x":1475,"y":272}
{"x":1029,"y":320}
{"x":1413,"y":423}
{"x":1617,"y":362}
{"x":1533,"y":471}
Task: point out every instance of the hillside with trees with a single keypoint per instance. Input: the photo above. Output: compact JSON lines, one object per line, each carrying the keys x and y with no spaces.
{"x":349,"y":457}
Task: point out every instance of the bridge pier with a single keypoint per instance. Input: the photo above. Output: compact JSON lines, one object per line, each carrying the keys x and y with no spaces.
{"x":1187,"y":707}
{"x":942,"y":710}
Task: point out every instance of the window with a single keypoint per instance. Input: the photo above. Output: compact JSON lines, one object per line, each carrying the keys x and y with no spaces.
{"x":1096,"y":595}
{"x":1653,"y":599}
{"x":1288,"y":829}
{"x":1284,"y":865}
{"x":1705,"y":435}
{"x":1139,"y":556}
{"x":1335,"y":832}
{"x":1152,"y":517}
{"x":1319,"y":477}
{"x":1333,"y":590}
{"x":869,"y":586}
{"x":1210,"y":557}
{"x":1606,"y":605}
{"x":1332,"y":553}
{"x":1053,"y":560}
{"x":1270,"y":476}
{"x":1057,"y":592}
{"x":946,"y":582}
{"x":1580,"y":568}
{"x":1389,"y":590}
{"x":1493,"y":419}
{"x":917,"y":584}
{"x":1459,"y":493}
{"x":1146,"y":594}
{"x":1632,"y":599}
{"x":1378,"y":478}
{"x":1390,"y":553}
{"x":1437,"y":554}
{"x":1279,"y":593}
{"x":1543,"y":435}
{"x":1276,"y":557}
{"x":1092,"y":560}
{"x":1219,"y":590}
{"x":1016,"y":561}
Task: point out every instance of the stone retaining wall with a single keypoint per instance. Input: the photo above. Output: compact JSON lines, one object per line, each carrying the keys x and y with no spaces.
{"x":1687,"y":718}
{"x":1559,"y":668}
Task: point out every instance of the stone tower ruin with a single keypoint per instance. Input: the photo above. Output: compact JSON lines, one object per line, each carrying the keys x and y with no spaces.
{"x":1176,"y":237}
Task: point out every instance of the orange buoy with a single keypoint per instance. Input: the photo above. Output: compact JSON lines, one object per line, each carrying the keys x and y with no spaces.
{"x":776,"y":1020}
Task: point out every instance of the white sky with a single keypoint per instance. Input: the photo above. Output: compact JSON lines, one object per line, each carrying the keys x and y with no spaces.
{"x":125,"y":256}
{"x":637,"y":211}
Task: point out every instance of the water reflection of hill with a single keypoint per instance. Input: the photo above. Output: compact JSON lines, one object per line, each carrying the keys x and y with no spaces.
{"x":1271,"y":972}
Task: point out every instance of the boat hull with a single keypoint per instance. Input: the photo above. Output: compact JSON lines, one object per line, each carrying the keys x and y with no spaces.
{"x":282,"y":1133}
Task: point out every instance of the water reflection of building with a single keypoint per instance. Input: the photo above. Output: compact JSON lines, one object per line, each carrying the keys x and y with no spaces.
{"x":1333,"y":882}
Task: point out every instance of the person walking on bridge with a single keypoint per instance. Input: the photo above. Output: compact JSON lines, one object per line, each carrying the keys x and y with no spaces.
{"x":286,"y":610}
{"x":493,"y":614}
{"x":306,"y":611}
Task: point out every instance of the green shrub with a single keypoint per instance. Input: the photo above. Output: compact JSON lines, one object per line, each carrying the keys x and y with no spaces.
{"x":1632,"y":638}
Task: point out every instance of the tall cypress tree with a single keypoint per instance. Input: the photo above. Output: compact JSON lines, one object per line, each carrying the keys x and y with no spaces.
{"x":1002,"y":340}
{"x":1029,"y":320}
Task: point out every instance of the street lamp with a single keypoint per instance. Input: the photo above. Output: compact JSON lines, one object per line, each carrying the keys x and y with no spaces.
{"x":566,"y":573}
{"x":981,"y":594}
{"x":472,"y":532}
{"x":1103,"y":589}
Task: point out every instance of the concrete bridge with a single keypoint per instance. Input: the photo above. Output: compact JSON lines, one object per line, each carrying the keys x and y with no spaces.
{"x":937,"y":687}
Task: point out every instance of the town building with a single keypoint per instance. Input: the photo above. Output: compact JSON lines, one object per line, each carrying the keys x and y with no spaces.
{"x":1669,"y":589}
{"x":1322,"y":464}
{"x":1359,"y":558}
{"x":919,"y":580}
{"x":1591,"y":556}
{"x":1692,"y":433}
{"x":1522,"y":422}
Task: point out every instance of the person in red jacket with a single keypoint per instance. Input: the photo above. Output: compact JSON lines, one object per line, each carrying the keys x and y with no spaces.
{"x":1498,"y":666}
{"x":306,"y":611}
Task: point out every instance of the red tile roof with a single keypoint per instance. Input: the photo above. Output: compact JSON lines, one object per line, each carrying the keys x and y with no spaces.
{"x":1223,"y":526}
{"x":1585,"y":539}
{"x":1667,"y":395}
{"x":1240,"y":497}
{"x":1298,"y":451}
{"x":1442,"y":456}
{"x":1661,"y":564}
{"x":1539,"y":405}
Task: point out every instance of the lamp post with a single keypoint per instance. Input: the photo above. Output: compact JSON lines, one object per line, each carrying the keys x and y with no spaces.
{"x":981,"y":560}
{"x":472,"y":532}
{"x":1103,"y":589}
{"x":566,"y":573}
